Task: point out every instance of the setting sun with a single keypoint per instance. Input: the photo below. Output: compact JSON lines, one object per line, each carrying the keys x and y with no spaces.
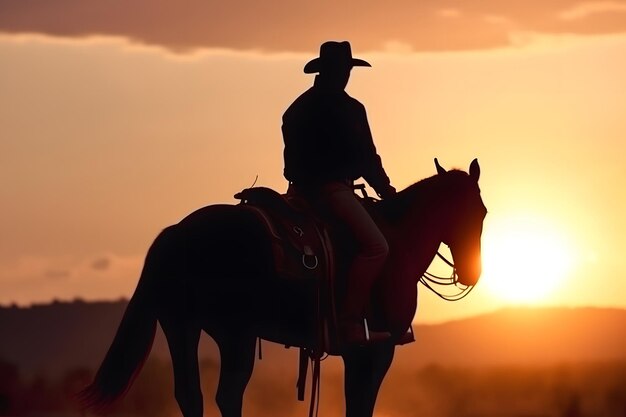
{"x":525,"y":260}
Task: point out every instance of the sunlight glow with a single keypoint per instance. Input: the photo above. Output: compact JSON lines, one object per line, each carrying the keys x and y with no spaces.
{"x":525,"y":260}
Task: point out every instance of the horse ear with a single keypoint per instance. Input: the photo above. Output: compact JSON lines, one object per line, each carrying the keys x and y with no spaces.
{"x":474,"y":170}
{"x":440,"y":170}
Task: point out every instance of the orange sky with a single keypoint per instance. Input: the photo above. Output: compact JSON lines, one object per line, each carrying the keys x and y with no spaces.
{"x":103,"y":142}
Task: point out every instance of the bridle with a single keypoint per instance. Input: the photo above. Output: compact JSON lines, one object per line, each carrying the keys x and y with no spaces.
{"x":429,"y":280}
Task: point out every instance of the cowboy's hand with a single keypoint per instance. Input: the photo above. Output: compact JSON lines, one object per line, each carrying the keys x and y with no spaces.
{"x":387,"y":192}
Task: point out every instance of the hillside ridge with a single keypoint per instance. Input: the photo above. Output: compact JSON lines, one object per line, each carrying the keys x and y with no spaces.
{"x":52,"y":338}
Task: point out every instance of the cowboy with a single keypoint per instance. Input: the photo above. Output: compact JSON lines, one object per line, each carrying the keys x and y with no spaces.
{"x":328,"y":145}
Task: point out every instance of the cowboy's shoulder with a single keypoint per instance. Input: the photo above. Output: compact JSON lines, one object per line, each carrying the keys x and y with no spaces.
{"x":302,"y":102}
{"x":353,"y":101}
{"x":355,"y":105}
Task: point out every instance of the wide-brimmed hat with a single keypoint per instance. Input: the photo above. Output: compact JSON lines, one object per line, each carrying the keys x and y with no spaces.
{"x":334,"y":55}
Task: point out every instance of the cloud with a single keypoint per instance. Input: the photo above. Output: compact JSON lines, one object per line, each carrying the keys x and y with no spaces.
{"x":57,"y":273}
{"x":101,"y":264}
{"x":584,"y":10}
{"x":289,"y":26}
{"x":449,"y":12}
{"x":43,"y":278}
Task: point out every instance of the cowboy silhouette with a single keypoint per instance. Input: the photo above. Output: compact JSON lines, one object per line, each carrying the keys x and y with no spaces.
{"x":328,"y":145}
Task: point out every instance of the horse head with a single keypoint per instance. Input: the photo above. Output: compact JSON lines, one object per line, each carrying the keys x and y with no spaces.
{"x":464,"y":213}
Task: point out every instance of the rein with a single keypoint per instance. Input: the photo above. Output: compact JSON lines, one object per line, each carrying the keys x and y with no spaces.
{"x":429,"y":281}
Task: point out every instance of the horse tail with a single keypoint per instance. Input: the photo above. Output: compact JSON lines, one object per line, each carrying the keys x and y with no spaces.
{"x":133,"y":341}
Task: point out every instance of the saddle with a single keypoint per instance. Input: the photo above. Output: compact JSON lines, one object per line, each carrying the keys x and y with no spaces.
{"x":300,"y":241}
{"x":303,"y":254}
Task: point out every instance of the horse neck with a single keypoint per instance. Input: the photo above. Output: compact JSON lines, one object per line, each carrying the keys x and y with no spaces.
{"x":414,"y":223}
{"x":411,"y":226}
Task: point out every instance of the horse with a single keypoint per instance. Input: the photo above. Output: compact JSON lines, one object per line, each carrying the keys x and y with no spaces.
{"x":211,"y":272}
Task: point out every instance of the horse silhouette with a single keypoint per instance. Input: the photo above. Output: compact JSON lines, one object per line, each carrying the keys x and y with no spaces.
{"x":212,"y":271}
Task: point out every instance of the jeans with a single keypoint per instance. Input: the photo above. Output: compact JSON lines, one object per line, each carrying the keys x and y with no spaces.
{"x":337,"y":200}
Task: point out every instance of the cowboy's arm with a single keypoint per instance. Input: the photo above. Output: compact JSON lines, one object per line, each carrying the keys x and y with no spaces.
{"x":373,"y":171}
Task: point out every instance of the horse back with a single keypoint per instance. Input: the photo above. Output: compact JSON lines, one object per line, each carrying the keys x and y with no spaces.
{"x":234,"y":281}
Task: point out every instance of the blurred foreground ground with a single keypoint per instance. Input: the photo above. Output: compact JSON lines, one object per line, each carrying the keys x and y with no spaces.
{"x":566,"y":390}
{"x":539,"y":362}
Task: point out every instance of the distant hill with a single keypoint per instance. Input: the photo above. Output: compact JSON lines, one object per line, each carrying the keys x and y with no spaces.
{"x":53,"y":338}
{"x":523,"y":336}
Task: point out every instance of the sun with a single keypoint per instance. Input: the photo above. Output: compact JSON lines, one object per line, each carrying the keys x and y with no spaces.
{"x":525,"y":260}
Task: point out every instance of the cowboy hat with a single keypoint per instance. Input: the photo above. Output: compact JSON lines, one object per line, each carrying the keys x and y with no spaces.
{"x":334,"y":55}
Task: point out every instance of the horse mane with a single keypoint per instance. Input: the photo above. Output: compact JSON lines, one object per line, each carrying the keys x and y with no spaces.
{"x":432,"y":188}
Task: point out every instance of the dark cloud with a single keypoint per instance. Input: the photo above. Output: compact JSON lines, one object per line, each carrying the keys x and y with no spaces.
{"x":287,"y":25}
{"x":101,"y":264}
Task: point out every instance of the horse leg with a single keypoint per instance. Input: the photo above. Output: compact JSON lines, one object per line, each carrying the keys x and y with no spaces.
{"x":237,"y":361}
{"x":365,"y":369}
{"x":183,"y":344}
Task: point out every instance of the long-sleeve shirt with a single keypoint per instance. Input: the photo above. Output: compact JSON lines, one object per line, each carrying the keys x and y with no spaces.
{"x":327,"y":138}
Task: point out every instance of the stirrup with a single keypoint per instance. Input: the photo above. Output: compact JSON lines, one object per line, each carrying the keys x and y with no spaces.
{"x":407,"y":337}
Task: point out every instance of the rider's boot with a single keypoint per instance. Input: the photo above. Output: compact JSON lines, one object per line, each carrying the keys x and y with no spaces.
{"x":356,"y":332}
{"x":407,"y":337}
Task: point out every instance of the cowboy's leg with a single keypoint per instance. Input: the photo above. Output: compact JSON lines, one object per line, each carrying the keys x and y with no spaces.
{"x":372,"y":247}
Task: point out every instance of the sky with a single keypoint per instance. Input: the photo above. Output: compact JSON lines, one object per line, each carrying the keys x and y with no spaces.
{"x":119,"y":118}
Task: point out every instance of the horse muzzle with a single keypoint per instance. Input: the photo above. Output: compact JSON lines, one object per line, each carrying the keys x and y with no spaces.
{"x":469,"y":274}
